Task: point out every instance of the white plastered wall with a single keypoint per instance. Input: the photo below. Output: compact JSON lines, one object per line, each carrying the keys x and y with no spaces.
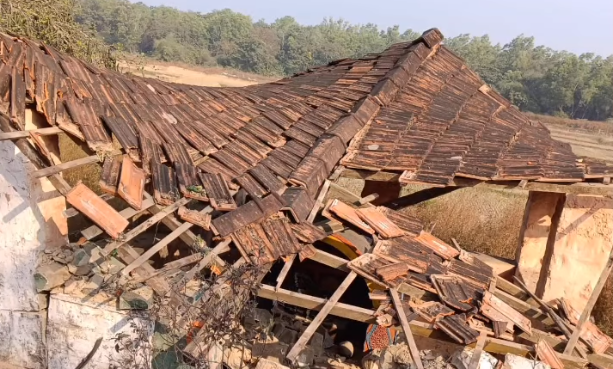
{"x":31,"y":220}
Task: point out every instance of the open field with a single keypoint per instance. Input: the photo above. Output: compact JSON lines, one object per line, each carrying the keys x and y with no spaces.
{"x":481,"y":220}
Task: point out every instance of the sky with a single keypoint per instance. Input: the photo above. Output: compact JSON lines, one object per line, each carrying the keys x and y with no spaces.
{"x":574,"y":25}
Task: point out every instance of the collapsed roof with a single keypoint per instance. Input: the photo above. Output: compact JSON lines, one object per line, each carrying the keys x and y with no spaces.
{"x":260,"y":156}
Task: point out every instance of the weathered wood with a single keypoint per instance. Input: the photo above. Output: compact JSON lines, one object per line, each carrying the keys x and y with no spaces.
{"x":218,"y":249}
{"x":47,"y":131}
{"x":143,"y":227}
{"x":169,"y":267}
{"x":330,"y":260}
{"x":319,"y":202}
{"x":319,"y":318}
{"x":587,"y":311}
{"x":474,"y":360}
{"x":46,"y":172}
{"x":286,"y":267}
{"x":158,"y":246}
{"x":406,"y":328}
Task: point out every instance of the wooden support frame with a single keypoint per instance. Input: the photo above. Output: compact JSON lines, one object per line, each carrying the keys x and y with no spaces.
{"x":323,"y":313}
{"x":56,"y":169}
{"x":580,"y":188}
{"x":142,"y":227}
{"x":47,"y":131}
{"x":286,"y":267}
{"x":406,"y":327}
{"x":162,"y":243}
{"x":421,"y":329}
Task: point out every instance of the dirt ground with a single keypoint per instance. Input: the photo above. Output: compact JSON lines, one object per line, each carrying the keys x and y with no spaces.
{"x":480,"y":220}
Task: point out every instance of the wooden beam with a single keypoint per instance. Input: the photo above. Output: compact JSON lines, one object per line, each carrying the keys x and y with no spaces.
{"x":316,"y":303}
{"x":585,"y":188}
{"x":406,"y":327}
{"x":319,"y":202}
{"x":587,"y":311}
{"x":47,"y":131}
{"x":218,"y":249}
{"x":162,"y":243}
{"x":286,"y":267}
{"x":142,"y":227}
{"x":323,"y":313}
{"x":474,"y":360}
{"x":421,"y":329}
{"x":370,"y":175}
{"x":581,"y":188}
{"x":46,"y":172}
{"x":330,"y":260}
{"x":179,"y":263}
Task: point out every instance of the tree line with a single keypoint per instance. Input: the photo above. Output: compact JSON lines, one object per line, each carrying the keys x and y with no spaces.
{"x":535,"y":78}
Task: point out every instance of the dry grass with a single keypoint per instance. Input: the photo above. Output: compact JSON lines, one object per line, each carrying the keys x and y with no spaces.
{"x":486,"y":221}
{"x":575,"y":124}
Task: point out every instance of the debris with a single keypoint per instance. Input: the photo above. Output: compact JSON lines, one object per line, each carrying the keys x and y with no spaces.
{"x":138,"y":299}
{"x":517,"y":362}
{"x":50,"y":275}
{"x":461,"y":359}
{"x":545,"y":353}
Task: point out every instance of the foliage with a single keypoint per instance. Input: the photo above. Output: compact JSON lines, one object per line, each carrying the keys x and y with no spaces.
{"x":53,"y":22}
{"x":535,"y":78}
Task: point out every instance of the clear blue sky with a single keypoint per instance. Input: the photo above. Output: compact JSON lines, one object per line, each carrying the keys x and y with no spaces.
{"x":574,"y":25}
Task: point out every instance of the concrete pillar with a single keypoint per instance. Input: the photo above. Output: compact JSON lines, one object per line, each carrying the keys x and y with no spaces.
{"x":564,"y":245}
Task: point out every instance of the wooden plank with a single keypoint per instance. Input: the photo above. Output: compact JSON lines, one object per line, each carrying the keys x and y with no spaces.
{"x":474,"y":360}
{"x":587,"y":311}
{"x":330,"y":260}
{"x":319,"y":202}
{"x":406,"y":327}
{"x":47,"y":131}
{"x":523,"y":307}
{"x":158,"y":246}
{"x":218,"y":249}
{"x":575,"y":188}
{"x":46,"y":172}
{"x":141,"y":227}
{"x":421,"y":329}
{"x":323,"y":313}
{"x":286,"y":267}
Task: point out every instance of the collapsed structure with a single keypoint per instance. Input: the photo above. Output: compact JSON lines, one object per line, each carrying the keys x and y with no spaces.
{"x":241,"y":176}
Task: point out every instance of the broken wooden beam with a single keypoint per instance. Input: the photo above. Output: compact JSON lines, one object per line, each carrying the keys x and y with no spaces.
{"x":286,"y":267}
{"x":319,"y":318}
{"x":47,"y":131}
{"x":143,"y":226}
{"x":158,"y":246}
{"x":406,"y":327}
{"x":48,"y":171}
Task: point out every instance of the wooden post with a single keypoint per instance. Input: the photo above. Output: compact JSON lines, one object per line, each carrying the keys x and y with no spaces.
{"x":285,"y":270}
{"x":323,"y":313}
{"x":478,"y":351}
{"x":406,"y":328}
{"x":587,"y":311}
